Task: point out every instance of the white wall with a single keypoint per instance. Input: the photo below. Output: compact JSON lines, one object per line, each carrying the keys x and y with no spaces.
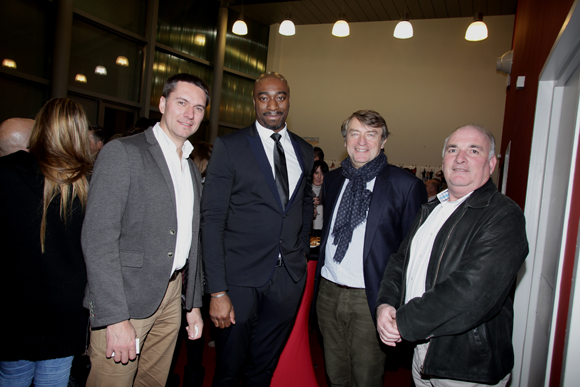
{"x":424,"y":87}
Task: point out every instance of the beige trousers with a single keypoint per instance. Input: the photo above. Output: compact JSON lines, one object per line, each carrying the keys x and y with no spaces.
{"x":157,"y":337}
{"x":418,"y":360}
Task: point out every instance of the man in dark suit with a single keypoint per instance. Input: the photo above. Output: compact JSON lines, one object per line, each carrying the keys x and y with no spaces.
{"x":369,"y":206}
{"x":140,"y":230}
{"x":256,"y":215}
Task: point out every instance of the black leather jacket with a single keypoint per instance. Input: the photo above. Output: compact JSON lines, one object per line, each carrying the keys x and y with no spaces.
{"x":465,"y":312}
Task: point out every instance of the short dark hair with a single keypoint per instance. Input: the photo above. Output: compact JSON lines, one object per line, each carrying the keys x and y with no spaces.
{"x":171,"y":83}
{"x":368,"y":118}
{"x":98,"y":133}
{"x":323,"y":166}
{"x":318,"y":152}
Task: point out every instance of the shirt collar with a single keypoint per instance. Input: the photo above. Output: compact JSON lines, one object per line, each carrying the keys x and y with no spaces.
{"x":166,"y":143}
{"x":444,"y":196}
{"x":266,"y":133}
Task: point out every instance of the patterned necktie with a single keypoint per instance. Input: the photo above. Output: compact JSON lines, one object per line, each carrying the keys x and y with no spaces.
{"x":281,"y":171}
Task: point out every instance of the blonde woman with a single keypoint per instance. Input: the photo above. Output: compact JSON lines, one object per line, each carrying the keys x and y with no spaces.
{"x":42,"y":271}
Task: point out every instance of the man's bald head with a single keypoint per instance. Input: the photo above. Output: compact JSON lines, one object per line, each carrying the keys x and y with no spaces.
{"x":14,"y":135}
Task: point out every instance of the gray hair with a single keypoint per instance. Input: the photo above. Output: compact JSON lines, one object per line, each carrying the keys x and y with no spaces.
{"x":480,"y":129}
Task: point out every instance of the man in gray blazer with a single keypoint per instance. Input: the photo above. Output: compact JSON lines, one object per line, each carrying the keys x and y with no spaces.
{"x":140,"y":230}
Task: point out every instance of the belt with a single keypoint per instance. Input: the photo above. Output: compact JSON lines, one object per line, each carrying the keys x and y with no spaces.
{"x":175,"y":274}
{"x":341,"y":286}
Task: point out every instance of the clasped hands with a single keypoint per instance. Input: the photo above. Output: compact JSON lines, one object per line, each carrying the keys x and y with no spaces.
{"x":387,"y":325}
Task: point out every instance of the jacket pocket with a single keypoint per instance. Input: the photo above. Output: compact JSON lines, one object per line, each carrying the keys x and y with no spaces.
{"x":131,"y":258}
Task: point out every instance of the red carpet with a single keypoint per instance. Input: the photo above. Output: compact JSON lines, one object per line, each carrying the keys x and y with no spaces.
{"x":400,"y":378}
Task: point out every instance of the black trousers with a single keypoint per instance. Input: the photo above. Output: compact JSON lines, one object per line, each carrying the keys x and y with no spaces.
{"x":248,"y":350}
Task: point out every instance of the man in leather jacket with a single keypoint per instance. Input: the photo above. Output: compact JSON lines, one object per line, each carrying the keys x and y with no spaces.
{"x":447,"y":288}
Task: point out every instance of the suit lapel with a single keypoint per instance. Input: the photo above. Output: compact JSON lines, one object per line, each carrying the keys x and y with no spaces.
{"x":300,"y":158}
{"x":157,"y":153}
{"x":379,"y":199}
{"x":331,"y":192}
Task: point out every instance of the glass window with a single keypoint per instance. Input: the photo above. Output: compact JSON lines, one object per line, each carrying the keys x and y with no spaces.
{"x":166,"y":65}
{"x":30,"y":96}
{"x":92,"y":47}
{"x":188,"y":26}
{"x":236,"y":104}
{"x":26,"y":35}
{"x":247,"y":53}
{"x":90,"y":105}
{"x":128,"y":14}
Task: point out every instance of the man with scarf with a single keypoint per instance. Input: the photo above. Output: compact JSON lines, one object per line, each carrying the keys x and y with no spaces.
{"x":369,"y":207}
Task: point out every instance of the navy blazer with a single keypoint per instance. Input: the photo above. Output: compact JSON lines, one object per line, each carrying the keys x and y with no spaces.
{"x":397,"y":197}
{"x":244,"y":227}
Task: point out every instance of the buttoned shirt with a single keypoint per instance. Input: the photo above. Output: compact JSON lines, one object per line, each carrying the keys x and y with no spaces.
{"x":184,"y":196}
{"x":292,"y":164}
{"x":350,"y":271}
{"x":422,"y":244}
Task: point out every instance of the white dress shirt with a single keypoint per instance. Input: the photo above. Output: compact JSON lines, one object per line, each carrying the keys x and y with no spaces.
{"x":350,"y":271}
{"x":422,"y":244}
{"x":184,"y":196}
{"x":292,"y":164}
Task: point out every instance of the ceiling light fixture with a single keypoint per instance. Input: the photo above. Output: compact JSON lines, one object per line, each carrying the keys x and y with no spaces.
{"x":122,"y":61}
{"x":9,"y":63}
{"x":101,"y":70}
{"x":287,"y":27}
{"x":341,"y":28}
{"x":240,"y":27}
{"x":404,"y":29}
{"x":477,"y":30}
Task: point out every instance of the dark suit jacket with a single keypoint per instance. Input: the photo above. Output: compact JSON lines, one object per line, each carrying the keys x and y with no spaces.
{"x":244,"y":226}
{"x":397,"y":196}
{"x":129,"y":232}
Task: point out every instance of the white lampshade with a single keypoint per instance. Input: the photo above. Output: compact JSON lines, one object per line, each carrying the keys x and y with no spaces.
{"x":240,"y":27}
{"x":477,"y":30}
{"x":341,"y":28}
{"x":122,"y":61}
{"x":403,"y":30}
{"x":287,"y":27}
{"x":101,"y":70}
{"x":9,"y":63}
{"x":81,"y":78}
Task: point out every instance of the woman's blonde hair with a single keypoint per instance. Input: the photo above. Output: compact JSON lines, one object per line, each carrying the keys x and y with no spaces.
{"x":60,"y":143}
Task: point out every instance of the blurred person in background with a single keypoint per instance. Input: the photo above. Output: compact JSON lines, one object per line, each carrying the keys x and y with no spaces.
{"x":319,"y":169}
{"x":14,"y":135}
{"x":97,"y":139}
{"x":42,"y":199}
{"x":194,"y":372}
{"x":318,"y":154}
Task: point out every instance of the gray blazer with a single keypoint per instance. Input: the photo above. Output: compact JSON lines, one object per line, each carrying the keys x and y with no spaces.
{"x":129,"y":232}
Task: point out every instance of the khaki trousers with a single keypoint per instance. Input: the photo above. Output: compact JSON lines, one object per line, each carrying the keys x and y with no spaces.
{"x":157,"y":337}
{"x":419,"y":359}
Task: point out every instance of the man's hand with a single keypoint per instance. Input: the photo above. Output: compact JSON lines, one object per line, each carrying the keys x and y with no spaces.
{"x":387,"y":325}
{"x":121,"y":341}
{"x":221,"y":311}
{"x":194,"y":326}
